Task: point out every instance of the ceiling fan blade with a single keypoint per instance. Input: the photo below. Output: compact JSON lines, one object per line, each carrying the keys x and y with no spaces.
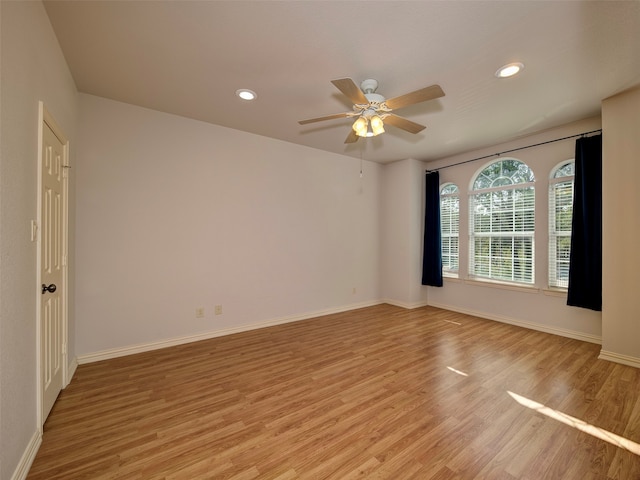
{"x":403,"y":123}
{"x":351,"y":90}
{"x":326,"y":117}
{"x":422,"y":95}
{"x":352,"y":137}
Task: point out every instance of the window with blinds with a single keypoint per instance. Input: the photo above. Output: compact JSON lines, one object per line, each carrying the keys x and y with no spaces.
{"x":502,"y":223}
{"x":450,"y":228}
{"x":560,"y":217}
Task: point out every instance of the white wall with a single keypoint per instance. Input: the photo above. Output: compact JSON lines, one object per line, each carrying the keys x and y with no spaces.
{"x":395,"y":233}
{"x":402,"y":217}
{"x":175,"y":214}
{"x":533,"y":308}
{"x":621,"y":228}
{"x":32,"y":70}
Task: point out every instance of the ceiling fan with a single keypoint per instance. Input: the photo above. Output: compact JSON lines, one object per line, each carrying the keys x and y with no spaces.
{"x":373,"y":110}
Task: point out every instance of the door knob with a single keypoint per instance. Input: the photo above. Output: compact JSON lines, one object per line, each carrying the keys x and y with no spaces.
{"x":51,"y":288}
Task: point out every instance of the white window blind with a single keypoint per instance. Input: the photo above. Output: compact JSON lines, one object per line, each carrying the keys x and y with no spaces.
{"x":560,"y":217}
{"x":450,"y":228}
{"x":502,"y":223}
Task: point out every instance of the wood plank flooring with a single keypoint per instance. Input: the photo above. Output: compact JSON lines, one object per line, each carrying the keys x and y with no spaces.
{"x":377,"y":393}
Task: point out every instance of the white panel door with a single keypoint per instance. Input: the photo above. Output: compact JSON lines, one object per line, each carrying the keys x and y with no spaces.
{"x":51,"y":271}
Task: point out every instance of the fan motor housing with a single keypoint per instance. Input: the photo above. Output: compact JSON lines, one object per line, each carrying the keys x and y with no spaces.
{"x":374,"y":97}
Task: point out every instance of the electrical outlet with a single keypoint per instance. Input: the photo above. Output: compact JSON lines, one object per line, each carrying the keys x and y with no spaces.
{"x":200,"y":312}
{"x":218,"y":310}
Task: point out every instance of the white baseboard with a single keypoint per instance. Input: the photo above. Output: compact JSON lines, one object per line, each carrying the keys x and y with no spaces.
{"x":585,"y":337}
{"x":409,"y":306}
{"x":146,"y":347}
{"x":619,"y":358}
{"x":28,"y":457}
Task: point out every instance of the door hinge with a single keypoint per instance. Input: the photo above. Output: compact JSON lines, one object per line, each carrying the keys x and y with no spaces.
{"x":64,"y":260}
{"x":34,"y":230}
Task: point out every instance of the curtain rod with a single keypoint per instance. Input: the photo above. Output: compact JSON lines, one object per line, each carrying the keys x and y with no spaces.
{"x":515,"y":150}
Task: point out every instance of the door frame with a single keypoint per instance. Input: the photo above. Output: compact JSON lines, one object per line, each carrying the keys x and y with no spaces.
{"x":45,"y":117}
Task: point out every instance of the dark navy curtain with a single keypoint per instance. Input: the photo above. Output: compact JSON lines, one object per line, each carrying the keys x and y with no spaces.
{"x":432,"y":254}
{"x":585,"y":262}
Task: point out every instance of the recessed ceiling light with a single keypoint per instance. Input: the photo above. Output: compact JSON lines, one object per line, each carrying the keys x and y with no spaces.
{"x":246,"y":94}
{"x":509,"y":70}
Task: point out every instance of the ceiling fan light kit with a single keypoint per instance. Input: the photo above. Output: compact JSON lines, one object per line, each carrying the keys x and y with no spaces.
{"x":377,"y":125}
{"x":360,"y":126}
{"x":368,"y":125}
{"x":372,"y":109}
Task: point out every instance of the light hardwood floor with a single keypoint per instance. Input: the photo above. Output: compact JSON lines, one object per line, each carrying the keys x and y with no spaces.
{"x":379,"y":392}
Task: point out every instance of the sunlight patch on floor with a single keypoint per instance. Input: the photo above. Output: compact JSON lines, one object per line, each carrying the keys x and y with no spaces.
{"x":458,"y":372}
{"x":451,"y":321}
{"x":581,"y":425}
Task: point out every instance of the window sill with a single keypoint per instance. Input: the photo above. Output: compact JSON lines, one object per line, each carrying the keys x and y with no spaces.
{"x":504,"y":286}
{"x":451,"y":278}
{"x":555,"y":292}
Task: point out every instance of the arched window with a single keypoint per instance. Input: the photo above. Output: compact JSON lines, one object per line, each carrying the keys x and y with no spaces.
{"x":449,"y":228}
{"x":560,"y":217}
{"x":502,"y":222}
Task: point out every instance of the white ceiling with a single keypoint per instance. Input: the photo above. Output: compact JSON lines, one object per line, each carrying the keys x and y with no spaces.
{"x":189,"y":57}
